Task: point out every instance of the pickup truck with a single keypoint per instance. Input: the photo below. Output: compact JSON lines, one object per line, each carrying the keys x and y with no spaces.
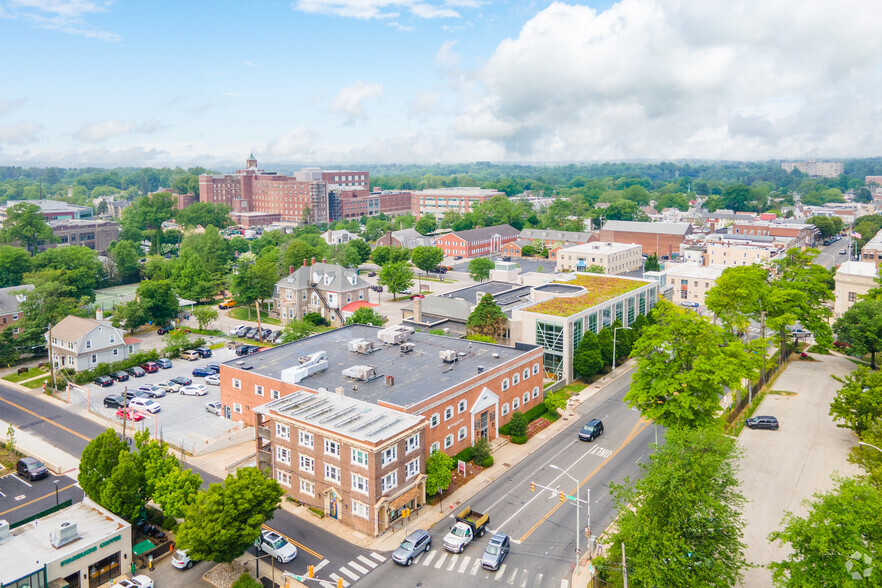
{"x":469,"y":524}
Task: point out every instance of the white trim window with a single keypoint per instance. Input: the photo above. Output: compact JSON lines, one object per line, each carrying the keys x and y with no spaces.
{"x":535,"y":368}
{"x":307,"y":487}
{"x":412,"y":468}
{"x":505,"y":409}
{"x":275,"y":395}
{"x":389,"y":481}
{"x":283,"y":455}
{"x":258,"y":390}
{"x":448,"y":413}
{"x":413,"y":443}
{"x":535,"y":391}
{"x":448,"y":441}
{"x":237,"y":408}
{"x":359,"y":457}
{"x":515,"y":379}
{"x":283,"y":478}
{"x":360,"y":509}
{"x":390,"y":454}
{"x":332,"y":448}
{"x":359,"y":484}
{"x":526,"y":398}
{"x":283,"y":431}
{"x":505,"y":384}
{"x":515,"y":403}
{"x":436,"y":446}
{"x":305,"y":439}
{"x":307,"y":464}
{"x":461,"y":408}
{"x":526,"y":373}
{"x":434,"y":420}
{"x":332,"y":473}
{"x":237,"y":384}
{"x":463,"y":431}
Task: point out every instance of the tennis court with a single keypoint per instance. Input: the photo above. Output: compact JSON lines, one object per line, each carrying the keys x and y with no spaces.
{"x":107,"y":298}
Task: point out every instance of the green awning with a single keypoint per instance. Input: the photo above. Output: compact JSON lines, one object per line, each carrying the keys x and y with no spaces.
{"x":143,"y":546}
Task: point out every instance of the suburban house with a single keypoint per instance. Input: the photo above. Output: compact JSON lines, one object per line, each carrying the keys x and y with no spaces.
{"x":10,"y":301}
{"x":407,"y":238}
{"x":339,"y":237}
{"x":83,"y":343}
{"x":853,"y":280}
{"x":477,"y":242}
{"x":322,"y":287}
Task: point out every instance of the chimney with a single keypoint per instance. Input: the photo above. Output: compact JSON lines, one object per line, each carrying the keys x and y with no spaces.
{"x":312,"y":262}
{"x":390,"y":380}
{"x":99,"y":314}
{"x":417,"y":311}
{"x":290,"y":269}
{"x":324,"y":260}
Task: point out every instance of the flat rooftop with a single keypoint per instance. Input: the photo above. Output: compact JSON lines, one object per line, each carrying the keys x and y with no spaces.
{"x":598,"y":289}
{"x":501,"y":292}
{"x":29,"y":547}
{"x":418,"y":375}
{"x":858,"y":268}
{"x":693,"y":270}
{"x":600,"y":247}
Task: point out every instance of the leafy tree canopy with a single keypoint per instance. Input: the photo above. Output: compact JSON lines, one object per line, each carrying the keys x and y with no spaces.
{"x":25,"y":224}
{"x":366,"y":316}
{"x":479,"y":268}
{"x":205,"y":214}
{"x":487,"y":319}
{"x":861,"y":327}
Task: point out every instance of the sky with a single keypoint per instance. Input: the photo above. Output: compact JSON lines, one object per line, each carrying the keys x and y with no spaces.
{"x":341,"y":82}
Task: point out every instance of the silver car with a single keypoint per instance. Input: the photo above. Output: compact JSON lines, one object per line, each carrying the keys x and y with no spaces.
{"x":415,"y":544}
{"x":214,"y":407}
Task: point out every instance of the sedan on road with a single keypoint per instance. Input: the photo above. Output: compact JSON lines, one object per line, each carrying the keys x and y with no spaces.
{"x":194,"y":390}
{"x":413,"y":545}
{"x":114,"y":401}
{"x":145,"y":404}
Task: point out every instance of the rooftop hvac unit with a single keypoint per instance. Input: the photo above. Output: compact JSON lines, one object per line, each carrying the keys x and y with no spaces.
{"x":361,"y":346}
{"x":406,"y":347}
{"x":64,"y":534}
{"x":448,"y":355}
{"x":481,"y":369}
{"x":395,"y":335}
{"x":309,"y":365}
{"x":361,"y":372}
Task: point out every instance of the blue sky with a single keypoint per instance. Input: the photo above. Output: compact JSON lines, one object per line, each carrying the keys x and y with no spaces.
{"x":105,"y":83}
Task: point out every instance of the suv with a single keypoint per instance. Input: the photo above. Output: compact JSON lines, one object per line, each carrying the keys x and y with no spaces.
{"x":190,"y":355}
{"x":31,"y":468}
{"x":415,"y":543}
{"x":762,"y":422}
{"x":145,"y":405}
{"x":151,"y":367}
{"x":164,"y":363}
{"x":114,"y":401}
{"x":152,"y":391}
{"x":203,"y":351}
{"x":181,"y":560}
{"x":591,"y":430}
{"x":495,"y":552}
{"x":274,"y":544}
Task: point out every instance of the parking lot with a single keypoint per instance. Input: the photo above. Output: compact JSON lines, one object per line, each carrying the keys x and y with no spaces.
{"x":182,"y":420}
{"x":20,"y":498}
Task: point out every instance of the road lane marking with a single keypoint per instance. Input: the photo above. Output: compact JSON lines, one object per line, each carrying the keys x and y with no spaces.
{"x":419,"y":557}
{"x":475,"y":567}
{"x":360,"y":569}
{"x":42,"y":418}
{"x":564,"y":583}
{"x":354,"y":577}
{"x":551,"y":459}
{"x":511,"y":578}
{"x":430,"y":557}
{"x":337,"y":578}
{"x":321,"y":564}
{"x":538,"y":581}
{"x":464,"y":565}
{"x":635,"y":432}
{"x":440,"y":561}
{"x":366,"y":561}
{"x":378,"y":557}
{"x":36,"y":499}
{"x":300,"y":545}
{"x":453,"y":561}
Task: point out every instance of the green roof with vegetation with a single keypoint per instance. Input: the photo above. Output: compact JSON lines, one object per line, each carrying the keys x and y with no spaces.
{"x":599,"y":290}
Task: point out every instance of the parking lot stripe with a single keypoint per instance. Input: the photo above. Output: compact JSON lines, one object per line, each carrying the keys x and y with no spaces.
{"x":440,"y":561}
{"x":378,"y":557}
{"x":514,"y":575}
{"x":366,"y":561}
{"x":335,"y":577}
{"x":564,"y":583}
{"x":348,"y":573}
{"x":538,"y":581}
{"x":464,"y":564}
{"x":430,"y":557}
{"x":42,"y":418}
{"x":22,"y":481}
{"x":357,"y":568}
{"x":36,"y":500}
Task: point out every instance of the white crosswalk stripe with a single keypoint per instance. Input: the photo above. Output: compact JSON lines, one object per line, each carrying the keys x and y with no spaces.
{"x":526,"y":576}
{"x":465,"y":563}
{"x":511,"y":579}
{"x":378,"y":557}
{"x":564,"y":583}
{"x":346,"y":572}
{"x":323,"y":563}
{"x":500,"y":572}
{"x":475,"y":567}
{"x":430,"y":557}
{"x":366,"y":561}
{"x":453,"y":562}
{"x":335,"y":578}
{"x":419,"y":557}
{"x":538,"y":581}
{"x":440,"y":561}
{"x":357,"y":568}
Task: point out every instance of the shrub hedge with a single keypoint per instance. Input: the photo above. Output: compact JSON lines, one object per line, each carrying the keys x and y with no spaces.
{"x":465,"y":455}
{"x":487,"y":462}
{"x":536,"y":412}
{"x":518,"y":440}
{"x":103,"y":369}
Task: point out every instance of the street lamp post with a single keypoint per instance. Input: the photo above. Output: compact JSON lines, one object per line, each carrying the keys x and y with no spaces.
{"x":869,"y":445}
{"x":615,"y":331}
{"x":578,"y":509}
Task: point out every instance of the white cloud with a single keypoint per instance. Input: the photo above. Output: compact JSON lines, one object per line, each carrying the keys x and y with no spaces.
{"x":684,"y":78}
{"x":68,"y":16}
{"x":350,"y":100}
{"x":379,"y":9}
{"x":429,"y":11}
{"x":10,"y":105}
{"x":19,"y":133}
{"x":295,"y":144}
{"x":447,"y":58}
{"x":425,"y":104}
{"x":95,"y":132}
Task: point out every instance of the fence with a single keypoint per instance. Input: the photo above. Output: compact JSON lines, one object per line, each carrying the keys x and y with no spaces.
{"x":736,"y":409}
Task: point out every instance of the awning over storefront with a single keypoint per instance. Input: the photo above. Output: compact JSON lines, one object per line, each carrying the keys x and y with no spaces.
{"x":142,"y":547}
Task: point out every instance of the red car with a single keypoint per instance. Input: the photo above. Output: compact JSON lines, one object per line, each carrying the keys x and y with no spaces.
{"x":150,"y":367}
{"x":130,"y":414}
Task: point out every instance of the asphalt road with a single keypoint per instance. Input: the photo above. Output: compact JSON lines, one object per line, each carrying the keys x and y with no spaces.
{"x":830,"y":255}
{"x":543,"y":530}
{"x":20,"y":498}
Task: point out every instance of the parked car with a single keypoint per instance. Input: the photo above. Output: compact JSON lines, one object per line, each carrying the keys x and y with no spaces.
{"x":506,"y":258}
{"x":130,"y":414}
{"x":372,"y":274}
{"x":134,"y":393}
{"x":152,"y":390}
{"x":376,"y":288}
{"x":212,"y":380}
{"x":164,"y":330}
{"x":151,"y":367}
{"x":114,"y":401}
{"x":214,"y":407}
{"x":181,"y":560}
{"x":762,"y":422}
{"x":194,"y":390}
{"x":242,"y":349}
{"x":415,"y":296}
{"x":228,"y":303}
{"x":120,"y":376}
{"x":203,"y":352}
{"x":242,"y":330}
{"x":250,"y":332}
{"x":104,"y":381}
{"x":145,"y":405}
{"x":136,"y":371}
{"x":495,"y":552}
{"x":689,"y":304}
{"x":190,"y":355}
{"x":201,"y":372}
{"x":164,"y":363}
{"x":136,"y":582}
{"x":457,"y":258}
{"x":182,"y":380}
{"x":235,"y":330}
{"x":169,"y":386}
{"x":31,"y":468}
{"x":413,"y":545}
{"x":591,"y":430}
{"x":843,"y":251}
{"x":274,"y":544}
{"x":215,"y":367}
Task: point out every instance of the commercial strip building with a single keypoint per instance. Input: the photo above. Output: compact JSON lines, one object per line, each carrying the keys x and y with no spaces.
{"x":437,"y":201}
{"x":804,"y":235}
{"x":853,"y":280}
{"x":548,"y":239}
{"x":654,"y":238}
{"x":614,"y":258}
{"x":477,"y":242}
{"x":83,"y":545}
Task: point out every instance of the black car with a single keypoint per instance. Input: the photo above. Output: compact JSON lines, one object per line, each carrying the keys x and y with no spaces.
{"x":31,"y":468}
{"x":164,"y":330}
{"x":203,"y":352}
{"x":215,"y":367}
{"x":591,"y":430}
{"x":136,"y":394}
{"x":182,"y":380}
{"x":762,"y":422}
{"x":120,"y":376}
{"x":104,"y":381}
{"x":136,"y":371}
{"x":114,"y":401}
{"x":376,"y":288}
{"x":243,"y":349}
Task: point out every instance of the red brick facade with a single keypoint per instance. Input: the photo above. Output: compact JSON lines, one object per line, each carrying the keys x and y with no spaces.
{"x":476,"y":242}
{"x":651,"y":242}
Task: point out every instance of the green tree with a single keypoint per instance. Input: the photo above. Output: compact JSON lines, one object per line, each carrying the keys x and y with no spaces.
{"x":595,"y":269}
{"x":651,"y":263}
{"x":212,"y":249}
{"x":681,"y":521}
{"x":14,"y":264}
{"x":158,"y":268}
{"x":149,"y":212}
{"x":427,"y":258}
{"x":517,"y":425}
{"x":315,"y":319}
{"x":587,"y":359}
{"x":362,"y":249}
{"x":396,"y":276}
{"x":842,"y":526}
{"x":125,"y":255}
{"x":858,"y":403}
{"x":158,"y":300}
{"x":98,"y":461}
{"x":9,"y":348}
{"x":683,"y":364}
{"x":487,"y":319}
{"x":130,"y":316}
{"x":239,"y":244}
{"x":124,"y":493}
{"x":826,"y":225}
{"x":225,"y":520}
{"x":295,"y":330}
{"x":366,"y":316}
{"x":205,"y":315}
{"x":45,"y":305}
{"x":25,"y":224}
{"x":81,"y":269}
{"x":176,"y":340}
{"x":381,"y":254}
{"x":861,"y":327}
{"x":191,"y":277}
{"x":605,"y":341}
{"x":439,"y":472}
{"x":479,"y":268}
{"x":868,"y":458}
{"x":176,"y":491}
{"x":426,"y":224}
{"x":246,"y":581}
{"x":205,"y":214}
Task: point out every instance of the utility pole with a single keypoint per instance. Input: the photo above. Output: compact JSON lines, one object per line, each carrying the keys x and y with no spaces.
{"x":51,"y":364}
{"x":624,"y":566}
{"x":259,"y":332}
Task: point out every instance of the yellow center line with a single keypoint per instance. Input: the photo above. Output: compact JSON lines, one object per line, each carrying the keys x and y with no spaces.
{"x":32,"y":413}
{"x":35,"y":500}
{"x":638,"y":428}
{"x":301,"y":546}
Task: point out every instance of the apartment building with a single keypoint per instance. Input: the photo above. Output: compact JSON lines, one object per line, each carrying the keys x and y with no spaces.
{"x":477,"y":242}
{"x":437,"y":201}
{"x":803,"y":235}
{"x":734,"y":254}
{"x":94,"y":234}
{"x":354,"y":203}
{"x":614,"y":258}
{"x":814,"y":168}
{"x":322,"y":287}
{"x":691,"y":282}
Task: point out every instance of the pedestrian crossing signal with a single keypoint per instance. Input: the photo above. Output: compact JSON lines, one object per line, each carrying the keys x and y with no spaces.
{"x":563,"y":496}
{"x":532,"y":486}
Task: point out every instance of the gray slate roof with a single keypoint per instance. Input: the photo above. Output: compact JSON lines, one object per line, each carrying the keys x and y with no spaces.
{"x":411,"y":238}
{"x":342,"y":279}
{"x":640,"y":227}
{"x":12,"y":297}
{"x":472,"y":235}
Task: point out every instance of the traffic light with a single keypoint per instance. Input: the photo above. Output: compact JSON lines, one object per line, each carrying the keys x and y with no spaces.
{"x":563,"y":496}
{"x":339,"y":582}
{"x":532,"y":486}
{"x":406,"y":512}
{"x":311,"y":572}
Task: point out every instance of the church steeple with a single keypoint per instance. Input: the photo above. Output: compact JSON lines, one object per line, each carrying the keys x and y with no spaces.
{"x":251,"y":162}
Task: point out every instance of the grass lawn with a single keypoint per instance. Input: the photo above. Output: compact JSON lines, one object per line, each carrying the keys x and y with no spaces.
{"x":8,"y":459}
{"x":36,"y":383}
{"x":240,"y":313}
{"x":440,"y":281}
{"x":31,"y":373}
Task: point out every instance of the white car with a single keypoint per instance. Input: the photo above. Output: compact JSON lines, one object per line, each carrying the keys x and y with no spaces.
{"x":169,"y":386}
{"x":136,"y":582}
{"x":274,"y":544}
{"x":145,"y":405}
{"x":213,"y":380}
{"x":181,"y":560}
{"x":235,"y":330}
{"x":194,"y":390}
{"x":214,"y":407}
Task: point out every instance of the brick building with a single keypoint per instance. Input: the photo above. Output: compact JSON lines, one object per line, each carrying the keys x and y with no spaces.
{"x":354,"y":203}
{"x":803,"y":234}
{"x":655,"y":238}
{"x":322,"y":287}
{"x":437,"y":201}
{"x":346,"y":179}
{"x":94,"y":234}
{"x":52,"y":209}
{"x":477,"y":242}
{"x":872,"y":250}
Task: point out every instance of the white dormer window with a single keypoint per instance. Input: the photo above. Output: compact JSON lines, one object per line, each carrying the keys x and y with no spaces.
{"x":353,"y":279}
{"x":315,"y":277}
{"x":328,"y":279}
